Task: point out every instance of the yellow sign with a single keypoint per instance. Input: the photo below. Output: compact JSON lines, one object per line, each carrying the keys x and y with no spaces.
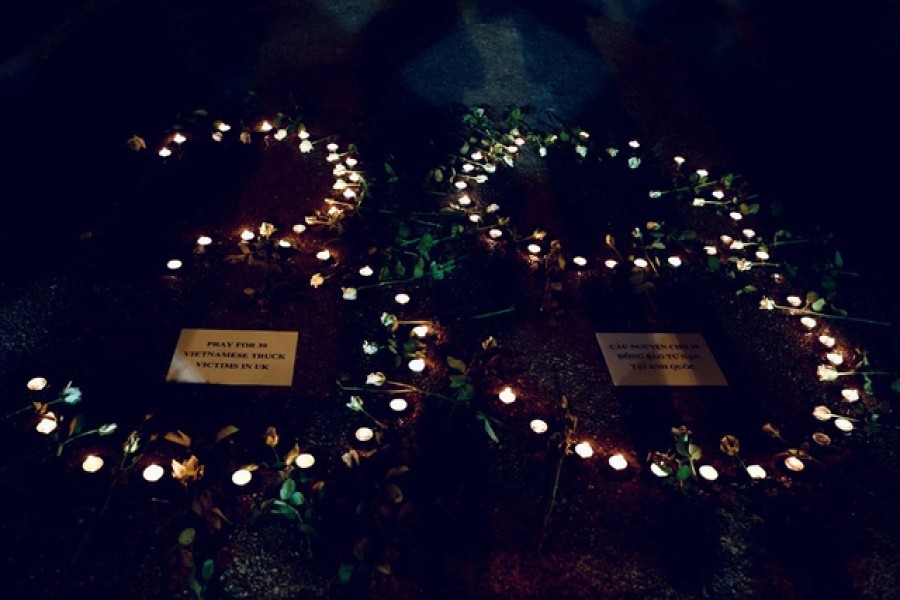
{"x":234,"y":357}
{"x":659,"y":359}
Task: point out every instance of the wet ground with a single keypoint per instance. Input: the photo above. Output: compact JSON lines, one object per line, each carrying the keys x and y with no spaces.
{"x":799,"y":98}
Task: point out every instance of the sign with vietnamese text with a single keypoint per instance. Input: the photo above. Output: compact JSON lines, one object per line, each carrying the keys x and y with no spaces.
{"x":234,"y":357}
{"x":659,"y":359}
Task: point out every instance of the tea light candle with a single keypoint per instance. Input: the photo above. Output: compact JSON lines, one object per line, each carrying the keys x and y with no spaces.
{"x":640,"y":262}
{"x":794,"y":464}
{"x":579,"y":261}
{"x":834,"y":358}
{"x":282,"y":243}
{"x":711,"y":250}
{"x":477,"y":155}
{"x":495,"y":233}
{"x":808,"y":322}
{"x":92,"y":463}
{"x":204,"y":240}
{"x":153,"y":473}
{"x":323,"y":254}
{"x":827,"y":341}
{"x":165,"y":152}
{"x":36,"y":384}
{"x":351,"y":162}
{"x":298,"y":228}
{"x":844,"y":425}
{"x":366,"y":271}
{"x":708,"y":472}
{"x":247,"y":235}
{"x":420,"y":330}
{"x":507,"y":396}
{"x":332,"y":147}
{"x":749,"y":233}
{"x":617,"y":462}
{"x":47,"y":424}
{"x":702,"y":173}
{"x":675,"y":261}
{"x":610,"y":263}
{"x":735,"y":215}
{"x":726,"y":239}
{"x":402,"y":298}
{"x":534,"y":248}
{"x":174,"y":264}
{"x":475,"y":218}
{"x":241,"y":477}
{"x":794,"y":300}
{"x":416,"y":365}
{"x":584,"y":450}
{"x":398,"y":404}
{"x":850,"y":394}
{"x":679,"y":160}
{"x":762,"y":255}
{"x":305,"y":460}
{"x":658,"y":470}
{"x":756,"y":472}
{"x":364,"y":434}
{"x":464,"y":200}
{"x":538,"y":426}
{"x":718,"y":194}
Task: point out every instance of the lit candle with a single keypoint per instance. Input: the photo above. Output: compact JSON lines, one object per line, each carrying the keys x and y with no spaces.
{"x":794,"y":300}
{"x":640,"y":262}
{"x":507,"y":396}
{"x":281,"y":134}
{"x":332,"y":147}
{"x":580,"y":261}
{"x":617,"y":462}
{"x":323,"y":254}
{"x":711,"y":250}
{"x":283,"y":243}
{"x":726,"y":239}
{"x":366,"y":271}
{"x":702,"y":173}
{"x":223,"y":127}
{"x":610,"y":263}
{"x":204,"y":240}
{"x":584,"y":450}
{"x":298,"y":228}
{"x":762,"y":255}
{"x":36,"y":384}
{"x":495,"y":233}
{"x":464,"y":200}
{"x":305,"y":460}
{"x":173,"y":265}
{"x":675,"y":261}
{"x":794,"y":464}
{"x":475,"y":218}
{"x":808,"y":322}
{"x":47,"y":424}
{"x":461,"y":185}
{"x":756,"y":472}
{"x":247,"y":235}
{"x":398,"y":404}
{"x":153,"y":473}
{"x":844,"y":425}
{"x":349,"y":193}
{"x":736,"y":215}
{"x":658,"y":470}
{"x":402,"y":298}
{"x":538,"y":426}
{"x":92,"y":463}
{"x":679,"y":160}
{"x":265,"y":126}
{"x":827,"y":341}
{"x":165,"y":152}
{"x":534,"y":248}
{"x":477,"y":155}
{"x":351,"y":162}
{"x":364,"y":434}
{"x":850,"y":394}
{"x":834,"y":358}
{"x":420,"y":330}
{"x":749,"y":233}
{"x":634,"y":144}
{"x":241,"y":477}
{"x":708,"y":472}
{"x":416,"y":365}
{"x":179,"y":138}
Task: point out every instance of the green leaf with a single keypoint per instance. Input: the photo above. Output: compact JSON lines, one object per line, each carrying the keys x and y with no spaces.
{"x":694,"y":452}
{"x":456,"y":364}
{"x":345,"y":573}
{"x":438,"y":175}
{"x":208,"y":568}
{"x":895,"y":385}
{"x":457,"y":381}
{"x":419,"y":269}
{"x":187,"y":537}
{"x":465,"y":393}
{"x":818,"y":305}
{"x":684,"y":473}
{"x":297,"y":499}
{"x":464,"y":149}
{"x":389,"y":170}
{"x":287,"y":488}
{"x":838,"y":259}
{"x":713,"y":264}
{"x":490,"y":431}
